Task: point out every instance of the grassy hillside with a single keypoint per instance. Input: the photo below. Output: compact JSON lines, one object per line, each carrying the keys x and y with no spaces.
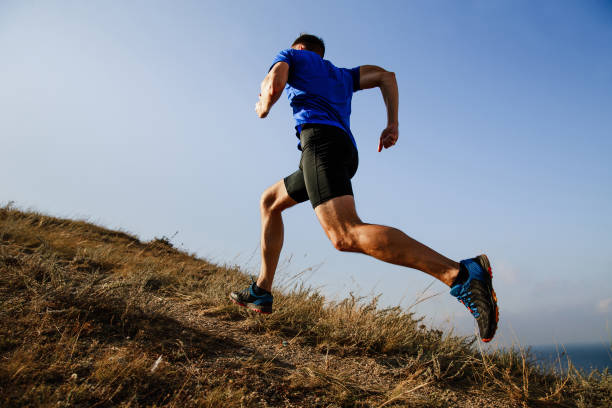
{"x":94,"y":317}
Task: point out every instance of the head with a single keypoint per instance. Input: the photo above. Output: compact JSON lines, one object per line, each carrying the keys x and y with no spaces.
{"x":309,"y":42}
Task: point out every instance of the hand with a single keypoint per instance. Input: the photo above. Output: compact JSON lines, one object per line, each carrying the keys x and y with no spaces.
{"x":388,"y":137}
{"x":262,"y":112}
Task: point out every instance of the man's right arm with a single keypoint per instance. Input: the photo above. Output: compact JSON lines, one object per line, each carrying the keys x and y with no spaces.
{"x":372,"y":76}
{"x":271,"y":88}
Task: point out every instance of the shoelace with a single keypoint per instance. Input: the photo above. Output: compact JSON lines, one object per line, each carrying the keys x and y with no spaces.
{"x":465,"y":297}
{"x":246,"y":292}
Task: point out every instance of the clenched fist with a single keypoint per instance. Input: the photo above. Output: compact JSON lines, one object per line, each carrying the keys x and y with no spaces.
{"x":388,"y":137}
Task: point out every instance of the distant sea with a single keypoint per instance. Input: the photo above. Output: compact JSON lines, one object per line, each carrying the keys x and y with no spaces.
{"x":583,"y":356}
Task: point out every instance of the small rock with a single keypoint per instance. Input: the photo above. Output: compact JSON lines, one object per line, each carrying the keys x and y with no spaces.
{"x":156,"y":364}
{"x":73,"y":376}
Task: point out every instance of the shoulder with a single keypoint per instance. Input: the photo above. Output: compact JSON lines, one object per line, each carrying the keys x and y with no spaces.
{"x":290,"y":55}
{"x":305,"y":56}
{"x":286,"y":56}
{"x":299,"y":57}
{"x":287,"y":52}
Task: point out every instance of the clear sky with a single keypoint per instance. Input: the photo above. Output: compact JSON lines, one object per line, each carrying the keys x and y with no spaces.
{"x":140,"y":115}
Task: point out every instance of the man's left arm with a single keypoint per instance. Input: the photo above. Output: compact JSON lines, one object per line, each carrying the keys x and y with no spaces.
{"x":271,"y":88}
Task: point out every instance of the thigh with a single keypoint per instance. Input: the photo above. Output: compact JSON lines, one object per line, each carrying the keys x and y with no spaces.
{"x":295,"y":187}
{"x":338,"y":215}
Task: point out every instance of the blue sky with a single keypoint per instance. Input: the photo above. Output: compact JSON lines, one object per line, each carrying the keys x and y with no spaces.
{"x":140,"y":116}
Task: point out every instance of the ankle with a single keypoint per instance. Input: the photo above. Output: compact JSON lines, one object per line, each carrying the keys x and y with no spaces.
{"x":261,"y":288}
{"x":451,"y":275}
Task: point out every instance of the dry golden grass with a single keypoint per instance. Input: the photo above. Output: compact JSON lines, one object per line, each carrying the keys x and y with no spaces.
{"x":94,"y":317}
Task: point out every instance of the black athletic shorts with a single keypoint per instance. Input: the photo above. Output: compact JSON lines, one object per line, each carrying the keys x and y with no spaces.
{"x":329,"y":161}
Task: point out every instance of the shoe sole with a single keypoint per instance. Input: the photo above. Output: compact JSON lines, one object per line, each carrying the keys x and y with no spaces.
{"x":483,"y":260}
{"x":250,"y":306}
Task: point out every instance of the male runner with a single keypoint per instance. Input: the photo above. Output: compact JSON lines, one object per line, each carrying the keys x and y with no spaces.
{"x":320,"y":95}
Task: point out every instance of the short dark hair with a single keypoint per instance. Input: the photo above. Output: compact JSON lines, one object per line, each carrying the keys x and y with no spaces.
{"x":311,"y":43}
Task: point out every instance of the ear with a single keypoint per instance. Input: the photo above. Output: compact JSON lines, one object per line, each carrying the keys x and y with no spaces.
{"x":299,"y":47}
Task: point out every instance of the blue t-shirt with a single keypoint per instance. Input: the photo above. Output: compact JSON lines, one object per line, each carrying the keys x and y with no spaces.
{"x":318,"y":91}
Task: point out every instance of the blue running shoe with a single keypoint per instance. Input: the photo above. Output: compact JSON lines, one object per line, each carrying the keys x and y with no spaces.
{"x":248,"y":298}
{"x":477,"y":294}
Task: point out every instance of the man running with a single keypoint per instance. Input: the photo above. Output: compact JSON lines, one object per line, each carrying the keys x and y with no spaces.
{"x":320,"y":95}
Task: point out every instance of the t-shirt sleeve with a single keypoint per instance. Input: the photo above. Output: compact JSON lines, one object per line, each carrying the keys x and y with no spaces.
{"x":355,"y":74}
{"x":283,"y":56}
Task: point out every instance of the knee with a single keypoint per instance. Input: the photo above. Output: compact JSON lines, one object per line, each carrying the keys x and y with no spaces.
{"x":344,"y":241}
{"x":269,"y":202}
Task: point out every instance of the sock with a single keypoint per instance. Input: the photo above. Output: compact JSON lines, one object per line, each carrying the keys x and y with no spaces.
{"x":462,"y":276}
{"x":259,"y":291}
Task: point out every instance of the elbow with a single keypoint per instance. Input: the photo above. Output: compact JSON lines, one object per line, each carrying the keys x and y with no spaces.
{"x":273,"y":93}
{"x":273,"y":88}
{"x":388,"y":77}
{"x":385,"y":79}
{"x":277,"y":86}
